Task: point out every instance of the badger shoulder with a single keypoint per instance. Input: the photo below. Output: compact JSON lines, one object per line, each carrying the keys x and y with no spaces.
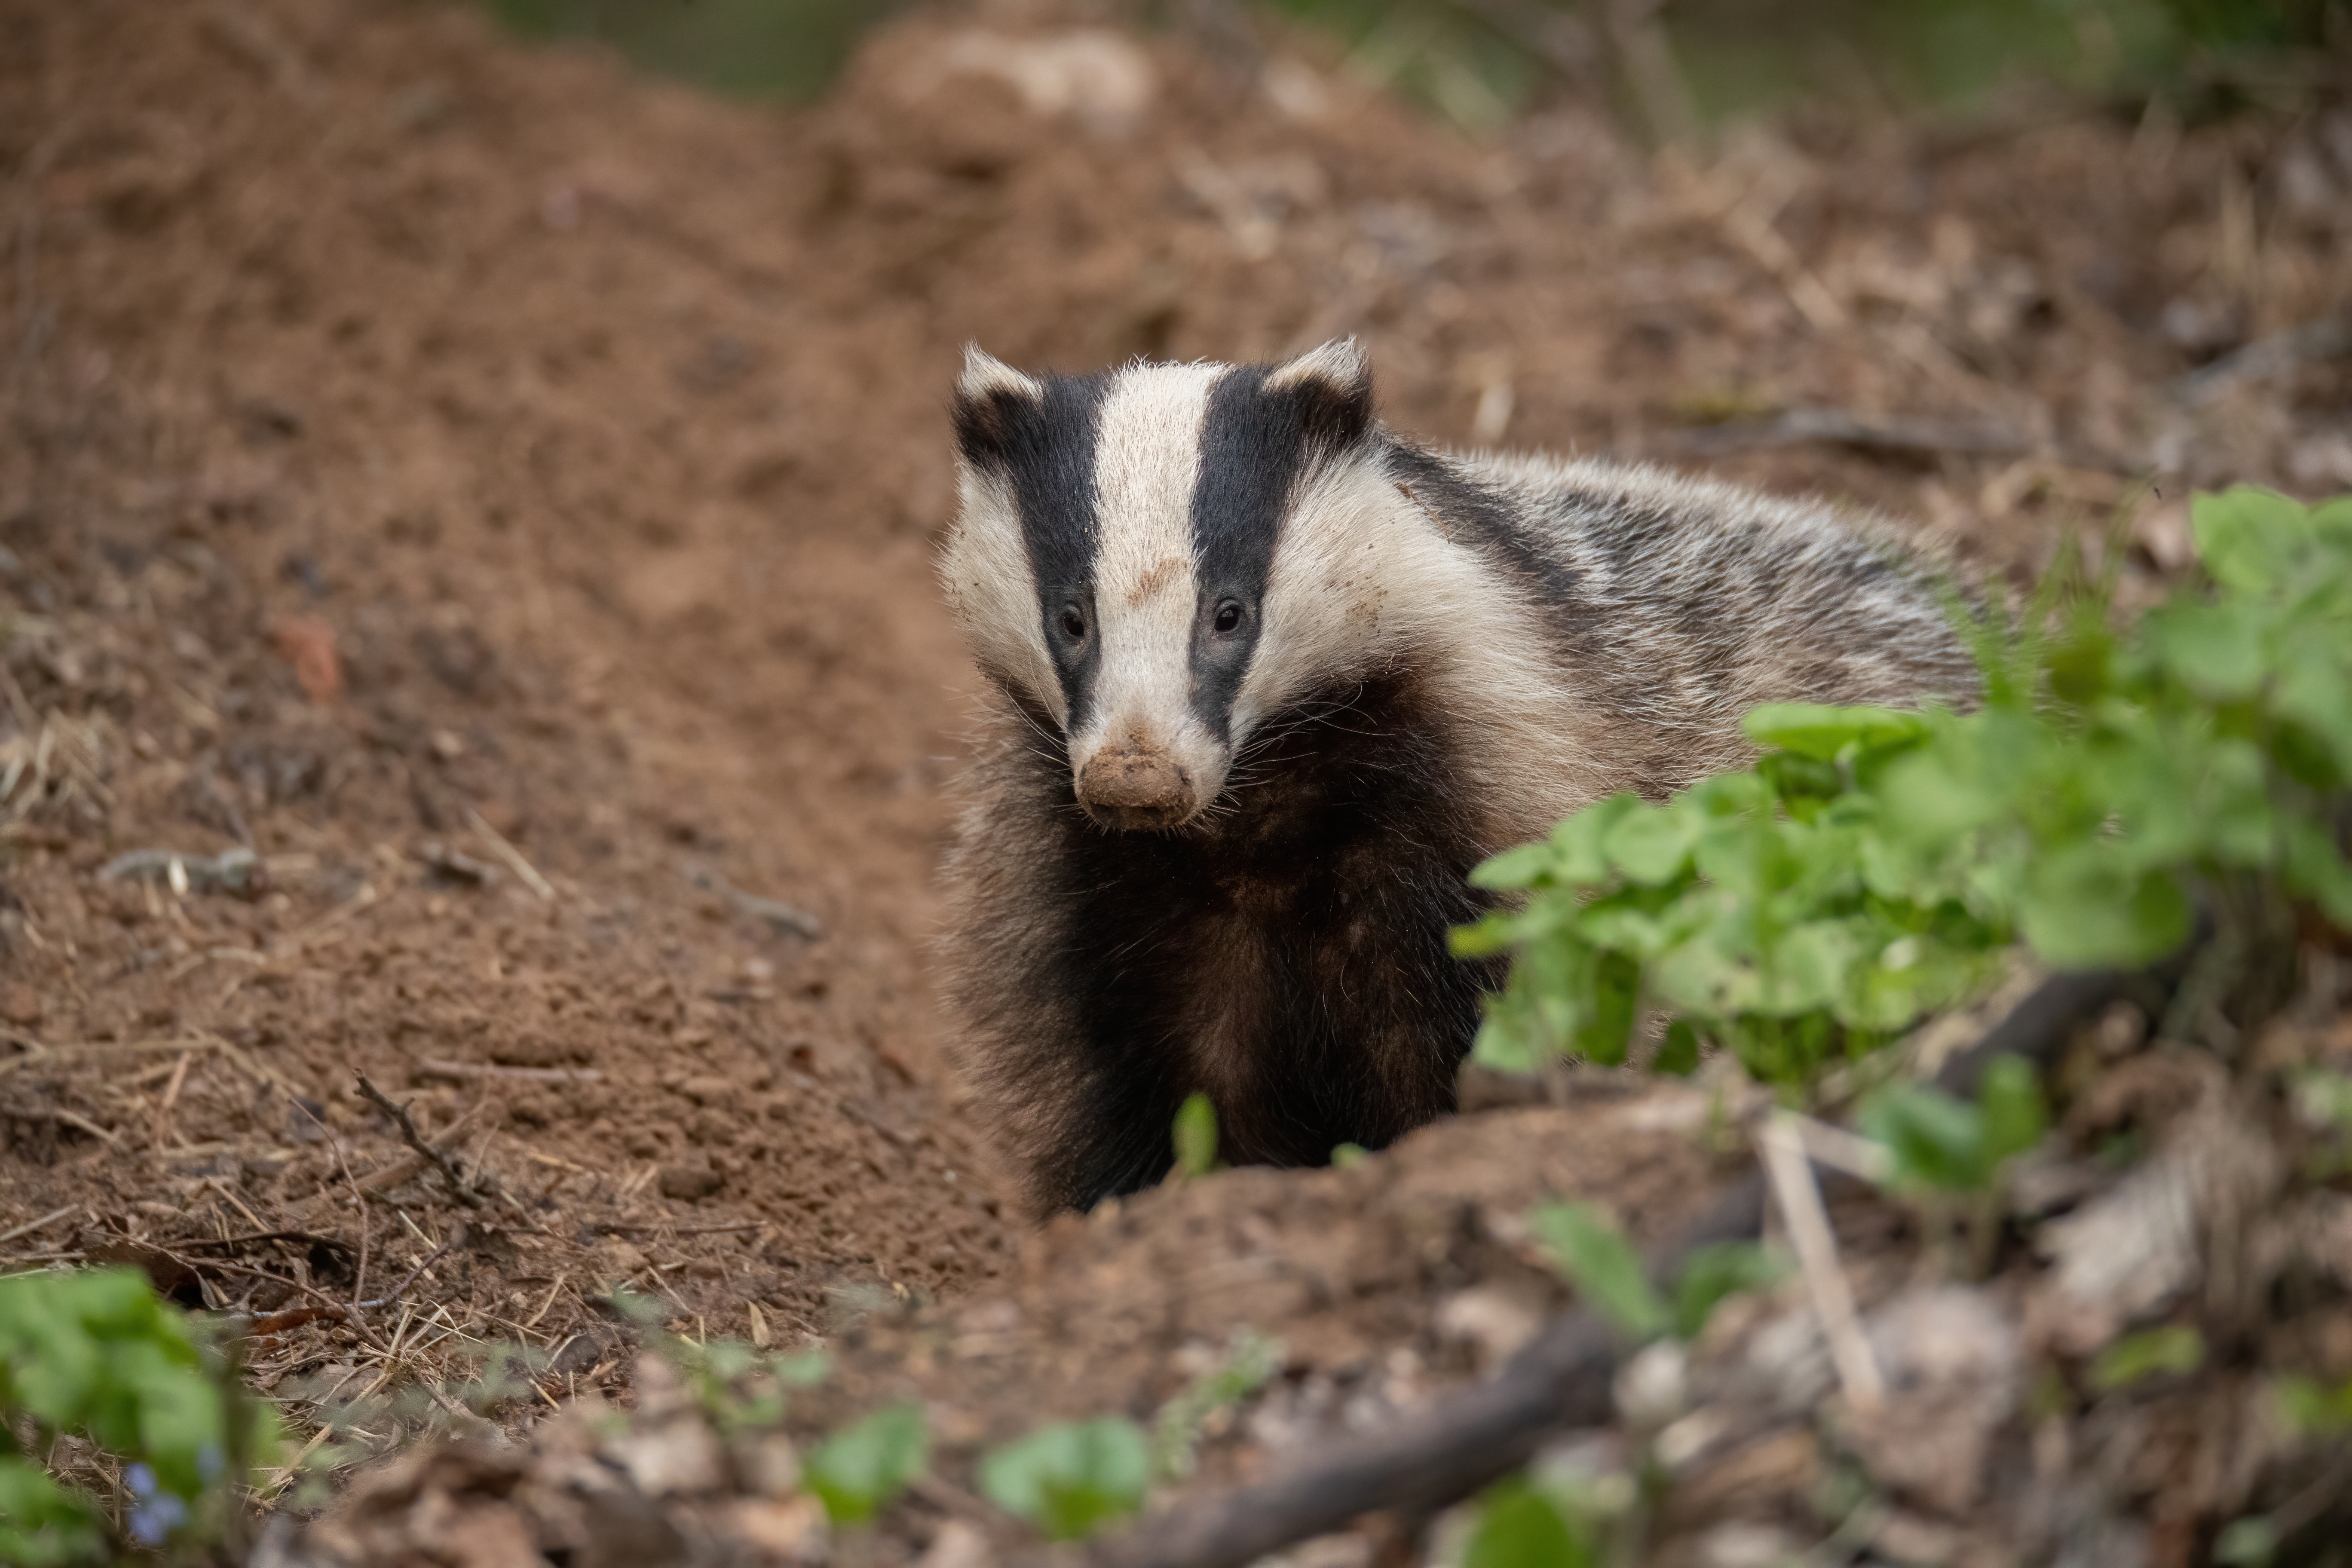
{"x":1751,"y":596}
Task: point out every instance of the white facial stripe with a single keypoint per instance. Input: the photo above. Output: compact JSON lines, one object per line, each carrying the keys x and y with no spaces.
{"x":992,"y":591}
{"x":1328,"y":611}
{"x":1148,"y":458}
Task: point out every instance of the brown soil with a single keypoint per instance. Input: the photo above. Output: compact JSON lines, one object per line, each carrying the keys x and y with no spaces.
{"x":448,"y":466}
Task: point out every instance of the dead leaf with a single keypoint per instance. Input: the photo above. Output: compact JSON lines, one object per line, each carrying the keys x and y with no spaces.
{"x":308,"y":643}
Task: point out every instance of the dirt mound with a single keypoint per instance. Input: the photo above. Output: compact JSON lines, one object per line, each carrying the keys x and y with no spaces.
{"x":498,"y":492}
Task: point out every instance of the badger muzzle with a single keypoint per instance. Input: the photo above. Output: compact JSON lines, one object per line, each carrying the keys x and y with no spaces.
{"x":1136,"y":788}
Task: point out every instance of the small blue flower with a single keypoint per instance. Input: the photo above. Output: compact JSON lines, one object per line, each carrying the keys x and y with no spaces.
{"x":159,"y":1512}
{"x":153,"y":1523}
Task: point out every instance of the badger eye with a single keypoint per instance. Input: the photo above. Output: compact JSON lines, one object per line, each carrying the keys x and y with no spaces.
{"x":1229,"y":616}
{"x":1074,"y":623}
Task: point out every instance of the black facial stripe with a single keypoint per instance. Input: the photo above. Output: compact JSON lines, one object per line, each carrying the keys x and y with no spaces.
{"x":1045,"y":448}
{"x":1472,"y":516}
{"x":1254,"y":447}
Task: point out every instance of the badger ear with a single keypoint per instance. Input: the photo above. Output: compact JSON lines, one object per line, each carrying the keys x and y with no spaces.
{"x":990,"y":398}
{"x":1332,"y":387}
{"x":985,"y":376}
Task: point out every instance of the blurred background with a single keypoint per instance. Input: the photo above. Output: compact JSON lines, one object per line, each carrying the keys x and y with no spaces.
{"x":1673,"y":67}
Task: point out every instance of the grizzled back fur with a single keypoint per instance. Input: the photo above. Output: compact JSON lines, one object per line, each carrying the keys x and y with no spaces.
{"x":1270,"y":680}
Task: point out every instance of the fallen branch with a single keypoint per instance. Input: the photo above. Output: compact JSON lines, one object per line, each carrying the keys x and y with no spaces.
{"x":460,"y":1188}
{"x":1838,"y":426}
{"x":1465,"y":1439}
{"x":2264,"y":358}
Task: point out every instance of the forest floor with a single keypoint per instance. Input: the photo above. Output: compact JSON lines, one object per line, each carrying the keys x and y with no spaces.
{"x":468,"y":509}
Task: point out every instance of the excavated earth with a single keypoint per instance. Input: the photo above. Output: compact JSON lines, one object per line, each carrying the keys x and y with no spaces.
{"x":467,"y":517}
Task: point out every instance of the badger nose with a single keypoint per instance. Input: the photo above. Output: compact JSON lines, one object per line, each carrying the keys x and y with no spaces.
{"x":1133,"y":787}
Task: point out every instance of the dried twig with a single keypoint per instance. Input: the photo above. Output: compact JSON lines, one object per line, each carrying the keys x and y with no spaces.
{"x":525,"y":872}
{"x":348,"y":1311}
{"x":74,"y":1119}
{"x":433,"y":1066}
{"x":310,"y":1238}
{"x":430,"y":1258}
{"x":782,"y":919}
{"x":459,"y":1187}
{"x":171,"y":1098}
{"x":1782,"y":1149}
{"x":30,"y":1226}
{"x":37,"y":1053}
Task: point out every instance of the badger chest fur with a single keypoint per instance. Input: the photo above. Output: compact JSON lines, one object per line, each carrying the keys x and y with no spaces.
{"x":1268,"y":680}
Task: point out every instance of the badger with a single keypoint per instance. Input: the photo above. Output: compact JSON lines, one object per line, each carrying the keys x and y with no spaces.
{"x":1266,"y":679}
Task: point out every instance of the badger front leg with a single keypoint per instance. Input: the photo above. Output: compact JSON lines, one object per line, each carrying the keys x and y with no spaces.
{"x":1113,"y":1135}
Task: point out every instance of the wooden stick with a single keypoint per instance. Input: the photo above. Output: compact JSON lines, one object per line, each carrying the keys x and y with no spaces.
{"x":1783,"y":1151}
{"x":30,"y":1226}
{"x":170,"y":1098}
{"x":525,"y":872}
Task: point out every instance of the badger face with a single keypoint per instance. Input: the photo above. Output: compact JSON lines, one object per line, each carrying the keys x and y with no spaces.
{"x":1112,"y":560}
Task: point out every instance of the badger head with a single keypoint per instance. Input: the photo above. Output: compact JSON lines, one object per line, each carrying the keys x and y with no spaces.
{"x":1122,"y":566}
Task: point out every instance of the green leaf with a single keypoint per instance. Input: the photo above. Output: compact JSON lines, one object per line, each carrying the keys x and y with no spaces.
{"x":802,"y":1369}
{"x":1826,"y":734}
{"x":43,"y":1524}
{"x":2216,"y":650}
{"x":2087,"y":906}
{"x":2248,"y":1542}
{"x":1653,"y":845}
{"x":1519,"y":1527}
{"x":857,"y":1471}
{"x":1490,"y":936}
{"x":1678,"y":1054}
{"x":1936,"y":1141}
{"x":1582,"y":841}
{"x":1595,"y":1258}
{"x":1502,"y":1045}
{"x":1524,"y":867}
{"x":1806,"y":970}
{"x":2174,"y":1350}
{"x":1715,"y":1273}
{"x":1250,"y":1360}
{"x":2315,"y":693}
{"x":2252,"y":540}
{"x":2313,"y":1409}
{"x":2015,"y":1114}
{"x":1195,"y":1135}
{"x":2313,"y":867}
{"x":1069,"y":1480}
